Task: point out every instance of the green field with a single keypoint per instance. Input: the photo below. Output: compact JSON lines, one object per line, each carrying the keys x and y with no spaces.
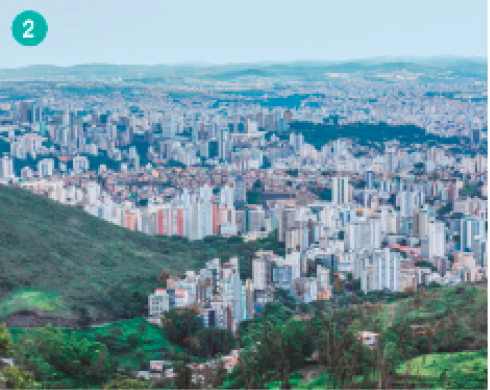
{"x":462,"y":370}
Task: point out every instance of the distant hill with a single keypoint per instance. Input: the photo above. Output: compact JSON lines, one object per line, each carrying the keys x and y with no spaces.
{"x":301,"y":70}
{"x":58,"y":259}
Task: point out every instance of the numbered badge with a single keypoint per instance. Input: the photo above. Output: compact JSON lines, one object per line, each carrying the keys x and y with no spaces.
{"x":29,"y":28}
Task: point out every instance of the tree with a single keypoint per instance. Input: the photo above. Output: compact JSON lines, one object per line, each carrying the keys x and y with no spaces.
{"x":62,"y":360}
{"x":274,"y":342}
{"x":179,"y":325}
{"x":123,"y":382}
{"x":84,"y":319}
{"x":215,"y":374}
{"x":356,"y":326}
{"x":133,"y":339}
{"x":470,"y":190}
{"x":183,"y":376}
{"x":15,"y":378}
{"x":253,"y":197}
{"x":163,"y":276}
{"x":213,"y":341}
{"x":5,"y":341}
{"x":283,"y":296}
{"x":338,"y":285}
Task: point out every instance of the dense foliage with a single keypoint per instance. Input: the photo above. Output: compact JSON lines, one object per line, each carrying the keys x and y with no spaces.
{"x":365,"y":133}
{"x":61,"y":360}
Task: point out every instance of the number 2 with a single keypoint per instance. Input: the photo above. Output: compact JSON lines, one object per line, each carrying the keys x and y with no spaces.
{"x":27,"y":33}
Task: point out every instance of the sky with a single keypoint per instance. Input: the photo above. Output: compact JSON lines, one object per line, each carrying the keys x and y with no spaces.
{"x":150,"y":32}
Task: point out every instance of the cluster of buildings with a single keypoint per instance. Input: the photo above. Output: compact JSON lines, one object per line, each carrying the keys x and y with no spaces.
{"x":392,"y":216}
{"x":223,"y":299}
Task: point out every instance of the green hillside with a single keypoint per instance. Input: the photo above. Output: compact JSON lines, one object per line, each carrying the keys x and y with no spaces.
{"x":59,"y":259}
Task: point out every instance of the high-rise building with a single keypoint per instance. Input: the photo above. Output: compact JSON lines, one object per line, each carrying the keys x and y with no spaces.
{"x":270,"y":122}
{"x":340,"y":190}
{"x":256,"y":219}
{"x":369,"y":180}
{"x":406,"y":202}
{"x":240,"y":190}
{"x":288,"y":116}
{"x":6,"y":167}
{"x":470,"y":228}
{"x":285,"y":221}
{"x":232,"y":290}
{"x":200,"y":219}
{"x":434,"y":244}
{"x":252,"y":127}
{"x":381,"y":112}
{"x":25,"y":112}
{"x":158,"y":303}
{"x":358,"y":235}
{"x":45,"y":167}
{"x":168,"y":125}
{"x":296,"y":141}
{"x":227,"y":195}
{"x":386,"y":270}
{"x":81,"y":164}
{"x":262,"y":270}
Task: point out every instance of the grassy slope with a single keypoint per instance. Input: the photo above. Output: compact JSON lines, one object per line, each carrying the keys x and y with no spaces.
{"x":435,"y":362}
{"x":469,"y":365}
{"x":65,"y":258}
{"x":152,"y":344}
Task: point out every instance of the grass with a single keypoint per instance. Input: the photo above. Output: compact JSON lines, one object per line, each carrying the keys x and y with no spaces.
{"x":432,"y":365}
{"x":450,"y":370}
{"x":46,"y":301}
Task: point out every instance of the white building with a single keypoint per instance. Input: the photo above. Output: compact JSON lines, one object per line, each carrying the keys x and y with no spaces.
{"x":386,"y":270}
{"x":158,"y":303}
{"x":45,"y":167}
{"x":6,"y":168}
{"x":340,"y":190}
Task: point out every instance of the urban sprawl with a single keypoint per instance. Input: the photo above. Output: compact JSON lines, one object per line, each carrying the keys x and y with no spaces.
{"x":204,"y":159}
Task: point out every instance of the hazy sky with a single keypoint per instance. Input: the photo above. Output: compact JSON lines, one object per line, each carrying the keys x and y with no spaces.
{"x":225,"y":31}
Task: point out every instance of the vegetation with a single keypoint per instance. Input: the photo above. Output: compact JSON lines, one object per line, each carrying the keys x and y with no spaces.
{"x":177,"y":164}
{"x":366,"y":134}
{"x":470,"y":190}
{"x":447,"y":347}
{"x":447,"y":208}
{"x":451,"y":320}
{"x":123,"y":382}
{"x":55,"y":357}
{"x":16,"y":378}
{"x":461,"y":370}
{"x":425,"y":264}
{"x":253,"y":197}
{"x":121,"y":347}
{"x":323,"y":193}
{"x":58,"y":258}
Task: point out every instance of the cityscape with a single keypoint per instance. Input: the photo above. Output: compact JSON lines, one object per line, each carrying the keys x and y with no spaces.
{"x":351,"y":215}
{"x":285,"y":224}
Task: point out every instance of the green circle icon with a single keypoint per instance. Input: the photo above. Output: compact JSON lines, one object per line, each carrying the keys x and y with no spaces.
{"x":29,"y":28}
